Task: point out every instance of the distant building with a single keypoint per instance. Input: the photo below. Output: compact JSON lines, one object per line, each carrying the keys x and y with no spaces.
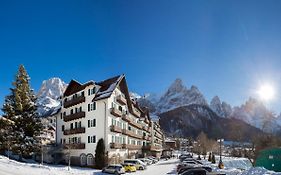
{"x":270,"y":159}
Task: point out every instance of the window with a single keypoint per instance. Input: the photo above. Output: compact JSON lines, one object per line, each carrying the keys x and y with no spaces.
{"x":76,"y":110}
{"x":64,"y":113}
{"x":76,"y":125}
{"x":71,"y":111}
{"x":92,"y":123}
{"x":80,"y":109}
{"x":82,"y":94}
{"x":79,"y":124}
{"x":71,"y":125}
{"x":120,"y":108}
{"x":62,"y":127}
{"x":91,"y":139}
{"x":92,"y":106}
{"x":91,"y":91}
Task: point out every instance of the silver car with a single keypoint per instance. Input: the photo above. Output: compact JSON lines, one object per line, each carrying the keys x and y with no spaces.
{"x":114,"y":169}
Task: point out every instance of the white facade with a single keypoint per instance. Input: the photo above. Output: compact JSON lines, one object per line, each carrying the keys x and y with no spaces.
{"x":97,"y":110}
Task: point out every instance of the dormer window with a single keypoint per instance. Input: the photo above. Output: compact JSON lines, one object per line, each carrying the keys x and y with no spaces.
{"x":91,"y":91}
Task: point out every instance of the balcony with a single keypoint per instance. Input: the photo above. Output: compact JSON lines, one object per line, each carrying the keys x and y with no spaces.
{"x":74,"y":116}
{"x":136,"y":112}
{"x":145,"y":137}
{"x":74,"y":131}
{"x":115,"y":145}
{"x":158,"y":135}
{"x":74,"y":146}
{"x":131,"y":134}
{"x":126,"y":118}
{"x":116,"y":112}
{"x":146,"y":121}
{"x":152,"y":148}
{"x":131,"y":147}
{"x":121,"y":99}
{"x":135,"y":124}
{"x":126,"y":132}
{"x":145,"y":128}
{"x":114,"y":128}
{"x":73,"y":101}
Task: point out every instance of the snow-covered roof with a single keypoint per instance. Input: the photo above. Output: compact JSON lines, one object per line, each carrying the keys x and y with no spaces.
{"x":107,"y":87}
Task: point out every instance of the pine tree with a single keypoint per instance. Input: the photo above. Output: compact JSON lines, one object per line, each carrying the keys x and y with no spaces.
{"x":213,"y":159}
{"x":100,"y":154}
{"x":210,"y":157}
{"x":20,"y":108}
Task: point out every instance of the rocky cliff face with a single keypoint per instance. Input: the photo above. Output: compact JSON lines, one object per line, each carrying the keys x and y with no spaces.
{"x":48,"y":95}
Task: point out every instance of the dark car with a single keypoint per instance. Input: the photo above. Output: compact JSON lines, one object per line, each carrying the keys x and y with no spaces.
{"x":183,"y":169}
{"x":195,"y":172}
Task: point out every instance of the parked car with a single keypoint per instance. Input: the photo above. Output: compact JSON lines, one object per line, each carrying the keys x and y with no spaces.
{"x":129,"y":167}
{"x":140,"y":165}
{"x":183,"y":169}
{"x":154,"y":160}
{"x":146,"y":161}
{"x":114,"y":169}
{"x":194,"y":172}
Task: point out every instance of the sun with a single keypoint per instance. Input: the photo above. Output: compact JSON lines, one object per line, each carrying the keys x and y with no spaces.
{"x":266,"y":92}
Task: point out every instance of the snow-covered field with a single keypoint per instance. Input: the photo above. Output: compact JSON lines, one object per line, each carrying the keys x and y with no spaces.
{"x":233,"y":166}
{"x":11,"y":167}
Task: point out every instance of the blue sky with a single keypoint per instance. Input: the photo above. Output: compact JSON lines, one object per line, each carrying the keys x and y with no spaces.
{"x":226,"y":48}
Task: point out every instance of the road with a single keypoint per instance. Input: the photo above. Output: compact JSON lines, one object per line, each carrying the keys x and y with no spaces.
{"x":161,"y":168}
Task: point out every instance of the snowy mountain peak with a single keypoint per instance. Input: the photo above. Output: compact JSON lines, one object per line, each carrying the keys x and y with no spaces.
{"x":48,"y":95}
{"x":53,"y":88}
{"x":176,"y":86}
{"x":179,"y":95}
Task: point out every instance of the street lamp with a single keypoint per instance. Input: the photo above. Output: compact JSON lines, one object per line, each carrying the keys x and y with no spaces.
{"x":220,"y":165}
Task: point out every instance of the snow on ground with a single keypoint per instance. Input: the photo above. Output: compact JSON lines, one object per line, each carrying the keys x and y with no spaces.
{"x":11,"y":167}
{"x":233,"y":166}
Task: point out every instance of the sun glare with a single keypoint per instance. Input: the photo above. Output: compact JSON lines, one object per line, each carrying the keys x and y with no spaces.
{"x":266,"y":92}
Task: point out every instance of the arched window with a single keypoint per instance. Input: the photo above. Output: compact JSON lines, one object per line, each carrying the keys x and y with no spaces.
{"x":83,"y":159}
{"x":90,"y":160}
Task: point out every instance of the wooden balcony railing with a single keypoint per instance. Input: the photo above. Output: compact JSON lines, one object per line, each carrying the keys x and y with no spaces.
{"x":74,"y":116}
{"x":136,"y":112}
{"x":126,"y":118}
{"x":74,"y":131}
{"x":74,"y":146}
{"x":115,"y":145}
{"x":131,"y":147}
{"x":152,"y":148}
{"x":116,"y":112}
{"x":114,"y":128}
{"x":121,"y":99}
{"x":74,"y":101}
{"x":135,"y":124}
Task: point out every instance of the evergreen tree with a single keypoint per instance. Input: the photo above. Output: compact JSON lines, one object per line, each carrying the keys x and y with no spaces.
{"x":210,"y":157}
{"x":20,"y":108}
{"x":213,"y":159}
{"x":100,"y":154}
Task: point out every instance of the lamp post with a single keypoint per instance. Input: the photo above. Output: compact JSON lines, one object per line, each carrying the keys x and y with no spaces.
{"x":220,"y":165}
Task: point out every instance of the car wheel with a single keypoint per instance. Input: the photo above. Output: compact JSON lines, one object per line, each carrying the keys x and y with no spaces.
{"x":141,"y":168}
